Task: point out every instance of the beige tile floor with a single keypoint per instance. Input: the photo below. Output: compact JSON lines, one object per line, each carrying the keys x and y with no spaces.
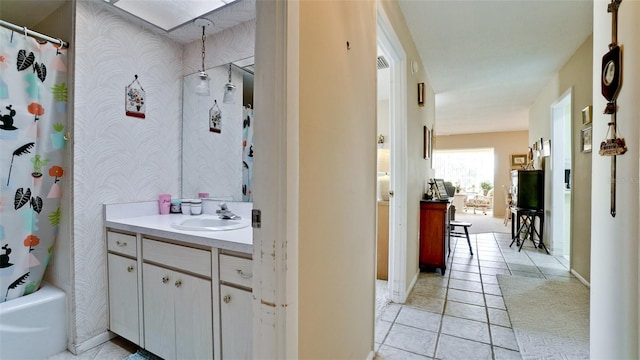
{"x":462,"y":315}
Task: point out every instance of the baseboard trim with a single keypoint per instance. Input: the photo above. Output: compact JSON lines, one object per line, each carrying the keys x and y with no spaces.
{"x":371,"y":355}
{"x":99,"y":339}
{"x":410,"y":287}
{"x":582,"y":280}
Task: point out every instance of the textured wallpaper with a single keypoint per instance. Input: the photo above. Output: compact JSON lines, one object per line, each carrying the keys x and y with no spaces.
{"x":118,"y":158}
{"x":224,"y":47}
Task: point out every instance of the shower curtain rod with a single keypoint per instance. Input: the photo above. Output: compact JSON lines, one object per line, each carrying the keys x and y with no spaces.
{"x":24,"y":30}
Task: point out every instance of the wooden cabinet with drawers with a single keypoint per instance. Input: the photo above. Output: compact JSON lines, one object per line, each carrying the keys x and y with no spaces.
{"x":434,"y":235}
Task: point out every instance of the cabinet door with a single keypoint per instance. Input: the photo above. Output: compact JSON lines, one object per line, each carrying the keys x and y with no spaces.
{"x":123,"y":297}
{"x":236,"y":323}
{"x":193,"y":317}
{"x":159,"y":319}
{"x":433,"y":227}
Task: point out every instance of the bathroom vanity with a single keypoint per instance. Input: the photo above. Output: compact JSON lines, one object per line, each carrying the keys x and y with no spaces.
{"x":180,"y":294}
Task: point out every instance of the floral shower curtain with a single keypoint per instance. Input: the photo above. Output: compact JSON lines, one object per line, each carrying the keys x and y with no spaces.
{"x":33,"y":117}
{"x":247,"y":154}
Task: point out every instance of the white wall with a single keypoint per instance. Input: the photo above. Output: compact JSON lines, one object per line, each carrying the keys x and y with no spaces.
{"x":117,"y":158}
{"x":615,"y":308}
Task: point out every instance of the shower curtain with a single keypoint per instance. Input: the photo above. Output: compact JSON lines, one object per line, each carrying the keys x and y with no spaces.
{"x":247,"y":154}
{"x":33,"y":118}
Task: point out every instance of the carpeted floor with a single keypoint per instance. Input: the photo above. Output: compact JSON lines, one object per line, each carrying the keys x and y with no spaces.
{"x":482,"y":224}
{"x":549,"y":318}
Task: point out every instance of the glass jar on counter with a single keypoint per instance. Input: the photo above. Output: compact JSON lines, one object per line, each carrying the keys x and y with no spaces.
{"x":196,"y":206}
{"x":185,"y":207}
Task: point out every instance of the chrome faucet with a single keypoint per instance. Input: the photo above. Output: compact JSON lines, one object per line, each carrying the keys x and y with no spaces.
{"x":225,"y":213}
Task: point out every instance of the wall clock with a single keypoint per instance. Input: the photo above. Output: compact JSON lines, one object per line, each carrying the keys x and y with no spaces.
{"x":611,"y":73}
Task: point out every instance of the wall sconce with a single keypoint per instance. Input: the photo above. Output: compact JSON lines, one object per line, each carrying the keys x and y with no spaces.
{"x":202,"y":88}
{"x":229,"y":91}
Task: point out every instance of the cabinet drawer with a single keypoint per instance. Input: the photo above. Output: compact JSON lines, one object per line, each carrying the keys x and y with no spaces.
{"x":176,"y":256}
{"x":236,"y":270}
{"x":124,"y":244}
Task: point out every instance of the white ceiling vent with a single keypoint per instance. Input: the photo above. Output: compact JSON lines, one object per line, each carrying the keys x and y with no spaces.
{"x":382,"y":63}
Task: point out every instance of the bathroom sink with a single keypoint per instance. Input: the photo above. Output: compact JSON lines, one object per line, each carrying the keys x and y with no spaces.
{"x":210,"y":223}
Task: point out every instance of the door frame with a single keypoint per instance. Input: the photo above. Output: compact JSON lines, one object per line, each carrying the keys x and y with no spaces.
{"x":390,"y":44}
{"x":558,"y":136}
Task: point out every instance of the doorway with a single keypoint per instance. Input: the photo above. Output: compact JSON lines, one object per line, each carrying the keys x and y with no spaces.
{"x":391,"y":48}
{"x":561,"y":176}
{"x":383,"y":182}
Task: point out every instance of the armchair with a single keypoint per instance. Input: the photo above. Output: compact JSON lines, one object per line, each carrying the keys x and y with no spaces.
{"x":478,"y":201}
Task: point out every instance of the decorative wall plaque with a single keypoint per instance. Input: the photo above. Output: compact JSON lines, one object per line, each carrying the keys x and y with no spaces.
{"x":134,"y":99}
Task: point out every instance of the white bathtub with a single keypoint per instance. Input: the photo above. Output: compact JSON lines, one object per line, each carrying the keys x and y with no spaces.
{"x":34,"y":326}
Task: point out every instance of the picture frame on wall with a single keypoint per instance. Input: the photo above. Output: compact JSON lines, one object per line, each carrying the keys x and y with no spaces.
{"x":518,"y":161}
{"x":427,"y":142}
{"x":586,"y":139}
{"x":426,"y":139}
{"x":546,"y":148}
{"x":432,"y":142}
{"x":587,"y":115}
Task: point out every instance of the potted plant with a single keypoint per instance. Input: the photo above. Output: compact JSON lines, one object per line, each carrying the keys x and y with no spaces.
{"x":59,"y":92}
{"x":57,"y":138}
{"x":38,"y":162}
{"x":486,"y":186}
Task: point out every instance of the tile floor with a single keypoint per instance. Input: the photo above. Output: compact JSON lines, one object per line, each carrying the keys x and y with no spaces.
{"x":462,"y":315}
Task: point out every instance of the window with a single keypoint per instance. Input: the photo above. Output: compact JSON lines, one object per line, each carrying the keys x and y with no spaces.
{"x":465,"y":169}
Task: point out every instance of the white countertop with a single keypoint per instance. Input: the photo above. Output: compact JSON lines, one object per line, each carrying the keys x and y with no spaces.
{"x":143,"y":218}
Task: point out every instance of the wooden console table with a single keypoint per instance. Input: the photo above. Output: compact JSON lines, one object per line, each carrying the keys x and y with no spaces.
{"x":434,"y":234}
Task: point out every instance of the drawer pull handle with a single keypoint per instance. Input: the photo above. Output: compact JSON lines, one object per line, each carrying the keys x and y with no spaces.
{"x":178,"y":283}
{"x":226,"y":299}
{"x":130,"y":268}
{"x":243,"y":274}
{"x":121,"y":243}
{"x":165,"y":279}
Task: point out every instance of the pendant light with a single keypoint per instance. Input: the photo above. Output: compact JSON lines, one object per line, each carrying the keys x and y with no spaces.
{"x":229,"y":91}
{"x":202,"y":88}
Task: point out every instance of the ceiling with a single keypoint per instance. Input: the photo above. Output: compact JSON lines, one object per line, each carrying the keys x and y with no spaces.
{"x":487,"y":60}
{"x":231,"y":15}
{"x":31,"y":12}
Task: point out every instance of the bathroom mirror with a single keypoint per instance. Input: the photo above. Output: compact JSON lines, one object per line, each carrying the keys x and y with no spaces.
{"x":217,"y":137}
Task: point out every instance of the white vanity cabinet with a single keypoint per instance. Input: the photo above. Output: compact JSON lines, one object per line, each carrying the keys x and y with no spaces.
{"x":123,"y":285}
{"x":236,"y":320}
{"x":177,"y":302}
{"x":178,"y":294}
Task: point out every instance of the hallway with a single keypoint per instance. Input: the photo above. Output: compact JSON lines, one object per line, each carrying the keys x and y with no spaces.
{"x":462,"y":315}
